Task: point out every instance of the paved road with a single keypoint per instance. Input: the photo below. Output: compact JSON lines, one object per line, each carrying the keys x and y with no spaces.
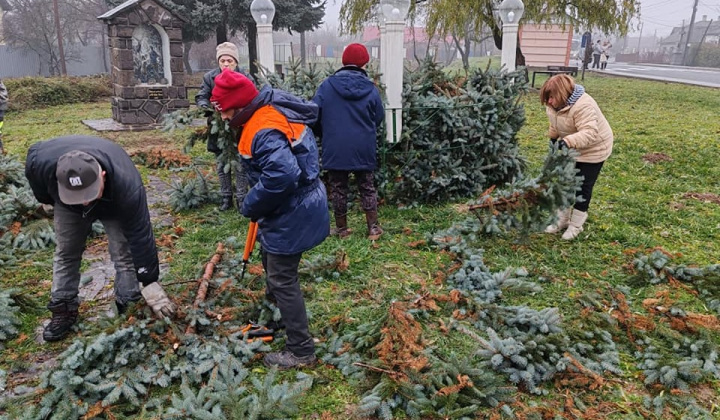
{"x":689,"y":75}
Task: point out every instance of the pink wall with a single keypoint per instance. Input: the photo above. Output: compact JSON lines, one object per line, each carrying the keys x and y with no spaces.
{"x":546,"y":45}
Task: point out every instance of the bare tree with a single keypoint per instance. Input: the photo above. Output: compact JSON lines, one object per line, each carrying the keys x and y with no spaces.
{"x":30,"y":25}
{"x":463,"y":44}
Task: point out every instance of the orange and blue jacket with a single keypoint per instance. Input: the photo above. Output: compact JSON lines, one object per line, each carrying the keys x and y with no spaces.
{"x":280,"y":157}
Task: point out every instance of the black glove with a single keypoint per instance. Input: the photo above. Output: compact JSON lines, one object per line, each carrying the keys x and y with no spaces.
{"x":208,"y":112}
{"x":562,"y":145}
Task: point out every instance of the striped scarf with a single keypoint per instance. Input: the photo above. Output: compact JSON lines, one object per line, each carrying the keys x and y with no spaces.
{"x":577,"y":93}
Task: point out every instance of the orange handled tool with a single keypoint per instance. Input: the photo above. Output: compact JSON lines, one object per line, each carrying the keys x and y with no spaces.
{"x":249,"y":245}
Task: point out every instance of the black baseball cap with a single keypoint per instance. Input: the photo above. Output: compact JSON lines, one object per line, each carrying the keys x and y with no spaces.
{"x":78,"y":176}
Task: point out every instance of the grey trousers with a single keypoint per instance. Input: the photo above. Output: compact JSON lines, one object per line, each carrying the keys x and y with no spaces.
{"x":226,"y":183}
{"x":71,"y":232}
{"x":284,"y":288}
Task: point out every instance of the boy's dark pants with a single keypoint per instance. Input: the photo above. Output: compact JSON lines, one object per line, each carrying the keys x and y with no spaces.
{"x":284,"y":288}
{"x":339,"y":188}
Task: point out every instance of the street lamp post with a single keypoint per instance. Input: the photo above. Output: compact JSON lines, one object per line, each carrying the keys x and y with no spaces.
{"x":510,"y":13}
{"x":263,"y":11}
{"x":395,"y":12}
{"x":383,"y":44}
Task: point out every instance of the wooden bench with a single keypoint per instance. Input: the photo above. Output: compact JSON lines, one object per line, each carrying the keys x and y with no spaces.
{"x":553,"y":70}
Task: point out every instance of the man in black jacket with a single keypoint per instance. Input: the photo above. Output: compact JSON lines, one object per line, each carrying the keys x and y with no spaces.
{"x":86,"y":179}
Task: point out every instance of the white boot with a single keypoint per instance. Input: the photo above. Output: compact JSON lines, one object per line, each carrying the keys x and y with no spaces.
{"x":577,"y":220}
{"x":561,"y":223}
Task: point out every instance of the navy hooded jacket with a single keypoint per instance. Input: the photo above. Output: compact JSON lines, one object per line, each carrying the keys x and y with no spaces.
{"x":287,"y":198}
{"x":351,"y":111}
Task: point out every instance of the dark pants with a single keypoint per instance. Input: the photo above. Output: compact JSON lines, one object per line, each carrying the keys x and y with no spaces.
{"x":284,"y":288}
{"x":340,"y":186}
{"x":71,"y":232}
{"x":226,"y":183}
{"x":590,"y":172}
{"x":596,"y":61}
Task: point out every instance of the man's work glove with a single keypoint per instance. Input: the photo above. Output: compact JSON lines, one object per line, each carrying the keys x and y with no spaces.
{"x":158,"y":300}
{"x":561,"y":144}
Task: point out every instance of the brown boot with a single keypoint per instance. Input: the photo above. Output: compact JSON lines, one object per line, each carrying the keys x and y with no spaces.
{"x":342,"y":231}
{"x":374,"y":229}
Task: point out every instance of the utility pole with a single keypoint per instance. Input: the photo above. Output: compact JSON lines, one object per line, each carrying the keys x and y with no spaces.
{"x":63,"y":69}
{"x":640,"y":40}
{"x":690,"y":29}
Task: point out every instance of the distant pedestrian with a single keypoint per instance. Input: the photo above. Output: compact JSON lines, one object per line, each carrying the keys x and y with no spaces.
{"x":605,"y":54}
{"x":597,"y":51}
{"x":3,"y":108}
{"x":227,"y":58}
{"x":576,"y":122}
{"x":351,"y":112}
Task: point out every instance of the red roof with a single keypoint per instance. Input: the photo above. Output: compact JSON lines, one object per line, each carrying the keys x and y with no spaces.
{"x":371,"y":33}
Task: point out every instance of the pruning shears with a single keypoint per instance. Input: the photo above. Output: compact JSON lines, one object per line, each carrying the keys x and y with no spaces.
{"x":258,"y":332}
{"x":249,"y":245}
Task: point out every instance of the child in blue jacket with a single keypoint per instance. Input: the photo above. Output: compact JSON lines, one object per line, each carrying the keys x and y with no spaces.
{"x":351,"y":111}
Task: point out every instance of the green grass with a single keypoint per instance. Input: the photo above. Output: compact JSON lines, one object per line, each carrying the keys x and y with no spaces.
{"x":636,"y":206}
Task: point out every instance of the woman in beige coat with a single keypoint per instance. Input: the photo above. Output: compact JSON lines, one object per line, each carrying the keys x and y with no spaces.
{"x":576,"y":122}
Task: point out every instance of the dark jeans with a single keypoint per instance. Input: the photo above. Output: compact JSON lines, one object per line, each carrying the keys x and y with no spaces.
{"x":340,"y":186}
{"x":590,"y":172}
{"x":71,"y":232}
{"x":596,"y":61}
{"x":284,"y":288}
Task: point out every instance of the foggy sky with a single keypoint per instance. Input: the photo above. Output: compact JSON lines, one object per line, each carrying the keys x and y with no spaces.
{"x":663,"y":15}
{"x":656,"y":15}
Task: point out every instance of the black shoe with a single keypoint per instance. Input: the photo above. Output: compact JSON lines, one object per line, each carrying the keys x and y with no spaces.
{"x":123,"y":307}
{"x":287,"y":360}
{"x":63,"y":318}
{"x":226,"y":204}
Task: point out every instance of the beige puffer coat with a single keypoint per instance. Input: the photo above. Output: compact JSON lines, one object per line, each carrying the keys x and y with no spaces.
{"x":584,"y":128}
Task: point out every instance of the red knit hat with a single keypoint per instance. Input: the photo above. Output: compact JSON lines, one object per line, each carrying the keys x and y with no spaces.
{"x":355,"y":55}
{"x":232,"y":91}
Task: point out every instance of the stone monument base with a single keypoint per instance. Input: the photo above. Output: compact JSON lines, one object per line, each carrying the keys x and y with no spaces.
{"x":109,"y":124}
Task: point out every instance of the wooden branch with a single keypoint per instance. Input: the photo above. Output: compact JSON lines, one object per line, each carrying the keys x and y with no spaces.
{"x":204,"y":282}
{"x":377,"y":369}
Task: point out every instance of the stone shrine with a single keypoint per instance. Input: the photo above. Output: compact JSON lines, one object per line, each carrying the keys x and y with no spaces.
{"x":146,"y":55}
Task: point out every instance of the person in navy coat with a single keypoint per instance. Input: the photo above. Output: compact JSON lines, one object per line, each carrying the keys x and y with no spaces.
{"x":351,"y":111}
{"x":287,"y":198}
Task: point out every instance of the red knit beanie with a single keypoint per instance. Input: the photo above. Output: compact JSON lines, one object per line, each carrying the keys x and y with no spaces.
{"x":232,"y":91}
{"x":355,"y":55}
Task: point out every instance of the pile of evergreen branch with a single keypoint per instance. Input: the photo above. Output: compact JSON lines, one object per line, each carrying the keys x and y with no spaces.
{"x":22,"y":224}
{"x":114,"y":367}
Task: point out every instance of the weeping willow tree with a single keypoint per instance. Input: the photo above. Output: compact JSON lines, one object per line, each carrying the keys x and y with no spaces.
{"x":463,"y":18}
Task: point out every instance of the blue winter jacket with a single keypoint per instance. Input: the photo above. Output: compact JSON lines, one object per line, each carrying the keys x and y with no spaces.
{"x":287,"y":199}
{"x":351,"y":111}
